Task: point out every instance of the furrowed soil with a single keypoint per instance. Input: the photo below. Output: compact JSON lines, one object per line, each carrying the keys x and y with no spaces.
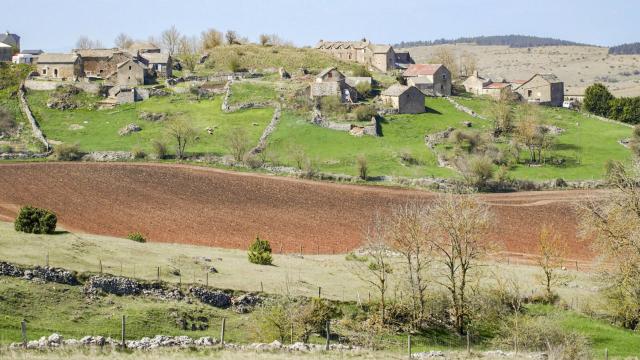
{"x":195,"y":205}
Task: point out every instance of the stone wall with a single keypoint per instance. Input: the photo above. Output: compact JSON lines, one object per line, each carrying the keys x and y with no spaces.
{"x":35,"y":127}
{"x":262,"y":143}
{"x":48,"y":85}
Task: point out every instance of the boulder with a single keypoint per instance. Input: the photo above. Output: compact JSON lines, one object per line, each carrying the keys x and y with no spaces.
{"x":129,"y":129}
{"x":55,"y":339}
{"x":245,"y":303}
{"x":7,"y":269}
{"x":214,"y":298}
{"x":284,"y":74}
{"x":149,"y":116}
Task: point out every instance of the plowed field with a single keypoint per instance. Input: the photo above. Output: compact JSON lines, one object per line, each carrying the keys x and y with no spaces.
{"x":185,"y":204}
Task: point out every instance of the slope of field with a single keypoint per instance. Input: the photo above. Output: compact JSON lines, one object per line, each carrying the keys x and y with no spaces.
{"x":577,"y":66}
{"x":183,"y":204}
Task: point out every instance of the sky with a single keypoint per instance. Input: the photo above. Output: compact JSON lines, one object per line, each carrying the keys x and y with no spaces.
{"x":55,"y":26}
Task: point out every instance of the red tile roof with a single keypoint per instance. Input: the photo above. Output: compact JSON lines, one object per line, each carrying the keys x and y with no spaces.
{"x":422,"y":69}
{"x":496,"y":86}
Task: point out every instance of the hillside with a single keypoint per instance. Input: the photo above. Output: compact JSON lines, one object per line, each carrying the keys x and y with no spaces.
{"x":577,"y":66}
{"x":514,"y":41}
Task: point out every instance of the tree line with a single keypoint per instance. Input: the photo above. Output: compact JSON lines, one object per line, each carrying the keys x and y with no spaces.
{"x":514,"y":41}
{"x":625,"y":49}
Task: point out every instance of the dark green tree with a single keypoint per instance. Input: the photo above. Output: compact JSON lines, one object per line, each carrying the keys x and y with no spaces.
{"x":35,"y":221}
{"x":596,"y":99}
{"x":260,"y":252}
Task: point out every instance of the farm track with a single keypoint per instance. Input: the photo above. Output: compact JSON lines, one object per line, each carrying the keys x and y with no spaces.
{"x":196,"y":205}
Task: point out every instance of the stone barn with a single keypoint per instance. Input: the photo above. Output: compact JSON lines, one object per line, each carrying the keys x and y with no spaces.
{"x":405,"y":99}
{"x":331,"y":82}
{"x":130,"y":73}
{"x":60,"y":66}
{"x":159,"y":63}
{"x":431,"y":79}
{"x":475,"y":83}
{"x":545,"y":89}
{"x":101,"y":63}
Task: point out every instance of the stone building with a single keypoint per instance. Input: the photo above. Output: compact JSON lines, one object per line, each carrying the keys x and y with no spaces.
{"x":331,"y":82}
{"x":6,"y":52}
{"x":379,"y":57}
{"x":143,"y":48}
{"x":160,"y":64}
{"x":130,"y":73}
{"x":12,"y":40}
{"x":101,"y":63}
{"x":431,"y":79}
{"x":545,"y":89}
{"x":477,"y":85}
{"x":405,"y":99}
{"x":60,"y":66}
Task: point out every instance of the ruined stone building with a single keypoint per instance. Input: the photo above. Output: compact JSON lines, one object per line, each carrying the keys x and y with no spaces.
{"x":379,"y":57}
{"x":60,"y":66}
{"x":545,"y":89}
{"x":101,"y":63}
{"x":331,"y":82}
{"x":431,"y":79}
{"x":160,"y":64}
{"x":405,"y":99}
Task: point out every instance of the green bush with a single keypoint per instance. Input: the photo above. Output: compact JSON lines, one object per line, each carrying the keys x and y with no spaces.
{"x":137,"y":237}
{"x":34,"y":220}
{"x":138,"y":153}
{"x":596,"y":99}
{"x":332,"y":105}
{"x":260,"y":252}
{"x":159,"y":149}
{"x":361,"y":71}
{"x":364,"y":89}
{"x":366,"y":112}
{"x":5,"y":149}
{"x":67,"y":152}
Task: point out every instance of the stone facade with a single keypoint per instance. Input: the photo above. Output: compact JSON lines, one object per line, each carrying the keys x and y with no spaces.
{"x":405,"y":99}
{"x":60,"y":66}
{"x":431,"y":79}
{"x":130,"y":73}
{"x":545,"y":89}
{"x":379,"y":57}
{"x":161,"y":64}
{"x":475,"y":83}
{"x":6,"y":52}
{"x":331,"y":82}
{"x":101,"y":63}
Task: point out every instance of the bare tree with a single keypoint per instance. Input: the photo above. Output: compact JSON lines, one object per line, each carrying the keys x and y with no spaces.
{"x":532,"y":133}
{"x":502,"y":113}
{"x":445,"y":56}
{"x":189,"y":52}
{"x":265,"y":39}
{"x":551,"y":252}
{"x":238,"y":143}
{"x":171,"y":39}
{"x":376,"y":269}
{"x":458,"y":226}
{"x":613,"y":221}
{"x":211,"y":38}
{"x":407,"y":235}
{"x":232,"y":37}
{"x":123,"y":41}
{"x":183,"y":133}
{"x":468,"y":64}
{"x":84,"y":43}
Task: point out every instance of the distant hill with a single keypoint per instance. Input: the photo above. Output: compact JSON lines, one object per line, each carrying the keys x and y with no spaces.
{"x":514,"y":41}
{"x":625,"y":49}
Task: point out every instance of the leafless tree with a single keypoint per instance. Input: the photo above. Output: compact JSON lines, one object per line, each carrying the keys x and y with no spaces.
{"x":265,"y":39}
{"x":211,"y":38}
{"x":84,"y":43}
{"x":407,"y":234}
{"x":502,"y":113}
{"x":238,"y":143}
{"x":189,"y":52}
{"x":183,"y":133}
{"x":171,"y":39}
{"x":445,"y":56}
{"x":468,"y":64}
{"x":458,"y":226}
{"x":551,"y":252}
{"x":232,"y":37}
{"x":123,"y":41}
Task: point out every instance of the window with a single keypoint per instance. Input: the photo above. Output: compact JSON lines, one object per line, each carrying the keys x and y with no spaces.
{"x":444,"y":76}
{"x":44,"y":71}
{"x":529,"y":93}
{"x":128,"y":77}
{"x":129,"y":67}
{"x":55,"y":72}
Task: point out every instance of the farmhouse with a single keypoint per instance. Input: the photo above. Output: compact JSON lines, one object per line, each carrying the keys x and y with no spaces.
{"x":130,"y":73}
{"x":431,"y":79}
{"x":380,"y":57}
{"x":544,"y":89}
{"x":477,"y":85}
{"x":101,"y":63}
{"x":405,"y":99}
{"x":159,"y":63}
{"x":60,"y":66}
{"x":331,"y":82}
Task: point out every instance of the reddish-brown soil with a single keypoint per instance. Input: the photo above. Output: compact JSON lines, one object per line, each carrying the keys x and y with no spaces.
{"x":186,"y":204}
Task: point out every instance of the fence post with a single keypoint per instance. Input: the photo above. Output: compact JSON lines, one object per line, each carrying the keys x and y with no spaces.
{"x":319,"y":292}
{"x":292,"y":333}
{"x":409,"y":346}
{"x":158,"y":274}
{"x":120,"y":268}
{"x":46,"y":260}
{"x":207,"y":276}
{"x":326,"y":347}
{"x":469,"y":344}
{"x":124,"y":325}
{"x":100,"y":263}
{"x":606,"y":354}
{"x":576,"y":265}
{"x":224,"y":320}
{"x":261,"y":287}
{"x":23,"y":326}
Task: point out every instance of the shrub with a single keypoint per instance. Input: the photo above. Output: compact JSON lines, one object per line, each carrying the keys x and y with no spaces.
{"x":260,"y":252}
{"x":233,"y":64}
{"x":361,"y":163}
{"x":252,"y":161}
{"x":34,"y":220}
{"x":67,"y":152}
{"x":137,"y":237}
{"x":364,"y":89}
{"x":138,"y":153}
{"x":7,"y":122}
{"x":6,"y":149}
{"x":596,"y":99}
{"x":408,"y":158}
{"x":361,"y":71}
{"x":159,"y":149}
{"x":313,"y":317}
{"x":366,"y":112}
{"x":332,"y":104}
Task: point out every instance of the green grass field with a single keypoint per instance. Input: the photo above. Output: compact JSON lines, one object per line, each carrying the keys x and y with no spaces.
{"x":586,"y":145}
{"x":100,"y":127}
{"x":252,"y":91}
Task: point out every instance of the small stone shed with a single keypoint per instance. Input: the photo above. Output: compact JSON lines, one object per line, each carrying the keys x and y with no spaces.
{"x":545,"y":89}
{"x":60,"y":66}
{"x":130,"y":73}
{"x":331,"y":82}
{"x":405,"y":99}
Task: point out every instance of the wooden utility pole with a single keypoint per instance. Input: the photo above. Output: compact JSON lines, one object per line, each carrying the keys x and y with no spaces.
{"x":23,"y":326}
{"x":224,"y":320}
{"x":124,"y":326}
{"x":326,"y":347}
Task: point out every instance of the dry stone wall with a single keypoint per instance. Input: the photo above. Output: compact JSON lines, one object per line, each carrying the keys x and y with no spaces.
{"x":35,"y":127}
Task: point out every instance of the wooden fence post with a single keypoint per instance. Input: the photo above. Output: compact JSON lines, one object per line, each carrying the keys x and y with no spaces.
{"x":224,"y":320}
{"x":409,"y":346}
{"x":23,"y":326}
{"x":124,"y":325}
{"x":261,"y":287}
{"x":469,"y":344}
{"x":292,"y":333}
{"x":319,"y":292}
{"x":158,"y":273}
{"x":207,"y":280}
{"x":46,"y":260}
{"x":326,"y":347}
{"x":100,"y":263}
{"x":606,"y":354}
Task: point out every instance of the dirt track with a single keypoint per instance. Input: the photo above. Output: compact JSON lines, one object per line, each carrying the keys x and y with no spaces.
{"x":171,"y":203}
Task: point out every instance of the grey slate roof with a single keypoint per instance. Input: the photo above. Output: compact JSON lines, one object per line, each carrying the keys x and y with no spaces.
{"x":54,"y":58}
{"x":7,"y":38}
{"x":155,"y":58}
{"x":396,"y":90}
{"x":380,"y":49}
{"x":326,"y":71}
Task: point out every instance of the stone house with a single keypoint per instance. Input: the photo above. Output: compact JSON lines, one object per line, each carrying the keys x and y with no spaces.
{"x":6,"y":52}
{"x":101,"y":63}
{"x":475,"y":83}
{"x":405,"y":99}
{"x":160,"y":64}
{"x":143,"y":48}
{"x":545,"y":89}
{"x":431,"y":79}
{"x":129,"y":73}
{"x":60,"y":66}
{"x":497,"y":90}
{"x":379,"y":57}
{"x":331,"y":82}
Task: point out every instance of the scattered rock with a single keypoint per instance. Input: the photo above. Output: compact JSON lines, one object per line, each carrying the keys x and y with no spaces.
{"x":51,"y":274}
{"x":552,"y":129}
{"x":129,"y":129}
{"x":74,"y":127}
{"x":213,"y":270}
{"x":149,"y":116}
{"x":7,"y":269}
{"x":214,"y":298}
{"x":467,"y":124}
{"x":101,"y":156}
{"x":245,"y":303}
{"x":112,"y":285}
{"x":284,"y":74}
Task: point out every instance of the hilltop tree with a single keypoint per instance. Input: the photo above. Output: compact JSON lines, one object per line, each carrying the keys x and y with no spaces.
{"x":211,"y":38}
{"x":265,"y":39}
{"x":597,"y":100}
{"x":123,"y":41}
{"x":232,"y":37}
{"x":171,"y":39}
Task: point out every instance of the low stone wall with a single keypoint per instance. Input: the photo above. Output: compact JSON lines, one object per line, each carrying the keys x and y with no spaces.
{"x":355,"y":130}
{"x":262,"y":142}
{"x":465,"y":109}
{"x":35,"y":127}
{"x":47,"y":85}
{"x":593,"y":116}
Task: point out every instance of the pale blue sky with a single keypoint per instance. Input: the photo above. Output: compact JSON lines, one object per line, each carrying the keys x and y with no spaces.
{"x":55,"y":26}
